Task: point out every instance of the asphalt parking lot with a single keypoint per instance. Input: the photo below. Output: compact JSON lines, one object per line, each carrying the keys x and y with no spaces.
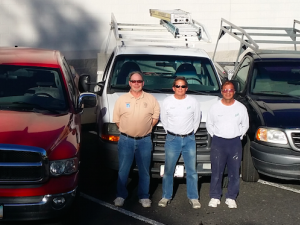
{"x":268,"y":201}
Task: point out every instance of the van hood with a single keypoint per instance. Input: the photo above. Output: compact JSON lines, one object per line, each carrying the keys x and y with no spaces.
{"x":282,"y":114}
{"x":206,"y":101}
{"x":32,"y":129}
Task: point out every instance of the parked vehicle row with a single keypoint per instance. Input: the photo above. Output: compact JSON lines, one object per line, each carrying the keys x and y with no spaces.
{"x":42,"y":99}
{"x":266,"y":82}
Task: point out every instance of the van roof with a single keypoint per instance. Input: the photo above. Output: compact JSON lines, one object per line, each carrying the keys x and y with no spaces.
{"x":161,"y":50}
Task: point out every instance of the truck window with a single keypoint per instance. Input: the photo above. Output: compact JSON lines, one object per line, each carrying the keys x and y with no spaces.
{"x":159,"y":72}
{"x":242,"y":73}
{"x":26,"y":88}
{"x":276,"y":78}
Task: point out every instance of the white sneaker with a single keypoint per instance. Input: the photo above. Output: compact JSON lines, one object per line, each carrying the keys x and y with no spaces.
{"x":214,"y":202}
{"x":231,"y":203}
{"x":145,"y":202}
{"x":163,"y":202}
{"x":119,"y":201}
{"x":195,"y":203}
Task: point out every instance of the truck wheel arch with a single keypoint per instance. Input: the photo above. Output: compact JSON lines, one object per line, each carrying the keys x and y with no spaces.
{"x":249,"y":173}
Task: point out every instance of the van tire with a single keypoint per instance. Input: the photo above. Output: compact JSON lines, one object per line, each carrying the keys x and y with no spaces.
{"x":249,"y":173}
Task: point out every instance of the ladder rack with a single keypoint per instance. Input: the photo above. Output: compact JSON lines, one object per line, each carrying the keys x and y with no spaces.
{"x":164,"y":33}
{"x":246,"y":40}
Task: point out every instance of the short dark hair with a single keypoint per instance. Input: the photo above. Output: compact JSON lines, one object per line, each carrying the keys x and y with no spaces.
{"x":226,"y":83}
{"x":180,"y":78}
{"x":134,"y":72}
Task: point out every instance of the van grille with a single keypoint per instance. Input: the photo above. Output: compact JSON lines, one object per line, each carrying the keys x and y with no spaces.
{"x":202,"y":138}
{"x":296,"y":139}
{"x":22,"y":164}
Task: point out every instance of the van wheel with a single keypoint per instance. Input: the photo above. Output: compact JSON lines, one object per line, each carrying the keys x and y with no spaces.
{"x":249,"y":173}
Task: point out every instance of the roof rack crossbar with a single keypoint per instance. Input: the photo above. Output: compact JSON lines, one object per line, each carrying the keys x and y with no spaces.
{"x":181,"y":33}
{"x":271,"y":34}
{"x":277,"y":42}
{"x":246,"y":38}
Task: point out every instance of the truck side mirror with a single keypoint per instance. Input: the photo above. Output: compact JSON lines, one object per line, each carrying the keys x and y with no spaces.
{"x":87,"y":100}
{"x":84,"y":83}
{"x":237,"y":86}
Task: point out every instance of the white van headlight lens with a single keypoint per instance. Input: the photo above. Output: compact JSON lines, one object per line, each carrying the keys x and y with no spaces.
{"x":60,"y":167}
{"x":271,"y":135}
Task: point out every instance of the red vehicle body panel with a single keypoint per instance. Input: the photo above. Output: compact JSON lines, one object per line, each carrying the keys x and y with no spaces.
{"x":58,"y":134}
{"x":41,"y":130}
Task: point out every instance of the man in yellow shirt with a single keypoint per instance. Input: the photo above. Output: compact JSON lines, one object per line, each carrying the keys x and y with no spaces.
{"x":135,"y":113}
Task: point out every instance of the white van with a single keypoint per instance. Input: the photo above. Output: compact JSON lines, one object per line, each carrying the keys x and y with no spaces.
{"x":159,"y":65}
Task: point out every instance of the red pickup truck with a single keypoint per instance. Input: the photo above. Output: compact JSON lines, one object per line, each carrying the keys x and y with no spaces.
{"x":40,"y":131}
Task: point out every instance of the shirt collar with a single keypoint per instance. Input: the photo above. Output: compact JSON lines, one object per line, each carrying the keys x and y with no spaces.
{"x":141,"y":96}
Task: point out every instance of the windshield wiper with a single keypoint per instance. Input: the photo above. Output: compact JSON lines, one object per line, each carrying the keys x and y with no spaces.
{"x":35,"y":106}
{"x":120,"y":87}
{"x":198,"y":92}
{"x":295,"y":82}
{"x":278,"y":92}
{"x":152,"y":90}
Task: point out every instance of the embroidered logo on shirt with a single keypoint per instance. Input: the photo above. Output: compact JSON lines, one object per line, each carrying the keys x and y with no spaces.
{"x":145,"y":104}
{"x":236,"y":115}
{"x":189,"y":107}
{"x":127,"y":105}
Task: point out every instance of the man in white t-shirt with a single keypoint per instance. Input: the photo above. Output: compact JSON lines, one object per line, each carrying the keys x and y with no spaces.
{"x":227,"y":122}
{"x":180,"y":117}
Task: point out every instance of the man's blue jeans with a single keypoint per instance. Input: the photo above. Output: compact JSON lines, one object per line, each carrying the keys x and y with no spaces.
{"x":225,"y":151}
{"x":128,"y":149}
{"x":187,"y":147}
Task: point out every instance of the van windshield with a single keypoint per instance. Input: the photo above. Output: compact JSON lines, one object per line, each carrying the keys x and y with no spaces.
{"x":276,"y":78}
{"x":159,"y":72}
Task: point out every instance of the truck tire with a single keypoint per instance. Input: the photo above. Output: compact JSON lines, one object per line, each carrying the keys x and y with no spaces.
{"x":249,"y":173}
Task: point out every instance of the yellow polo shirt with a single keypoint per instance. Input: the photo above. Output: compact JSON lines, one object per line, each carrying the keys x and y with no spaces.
{"x":135,"y":114}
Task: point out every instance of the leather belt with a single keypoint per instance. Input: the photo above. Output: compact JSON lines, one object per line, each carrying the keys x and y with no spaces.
{"x":180,"y":135}
{"x":136,"y":138}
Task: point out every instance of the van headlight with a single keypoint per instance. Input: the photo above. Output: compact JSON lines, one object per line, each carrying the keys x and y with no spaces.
{"x":271,"y":135}
{"x":110,"y":132}
{"x":61,"y":167}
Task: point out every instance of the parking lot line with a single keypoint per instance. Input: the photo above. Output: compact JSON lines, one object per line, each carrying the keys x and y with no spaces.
{"x":128,"y":213}
{"x":279,"y":186}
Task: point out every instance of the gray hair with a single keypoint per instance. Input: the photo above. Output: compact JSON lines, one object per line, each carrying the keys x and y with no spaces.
{"x":136,"y":72}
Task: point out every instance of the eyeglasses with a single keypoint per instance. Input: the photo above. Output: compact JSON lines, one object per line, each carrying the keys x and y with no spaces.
{"x":182,"y":86}
{"x":227,"y":90}
{"x":136,"y":81}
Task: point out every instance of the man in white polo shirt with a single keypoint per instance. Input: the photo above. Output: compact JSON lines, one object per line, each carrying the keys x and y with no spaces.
{"x":227,"y":122}
{"x":180,"y":117}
